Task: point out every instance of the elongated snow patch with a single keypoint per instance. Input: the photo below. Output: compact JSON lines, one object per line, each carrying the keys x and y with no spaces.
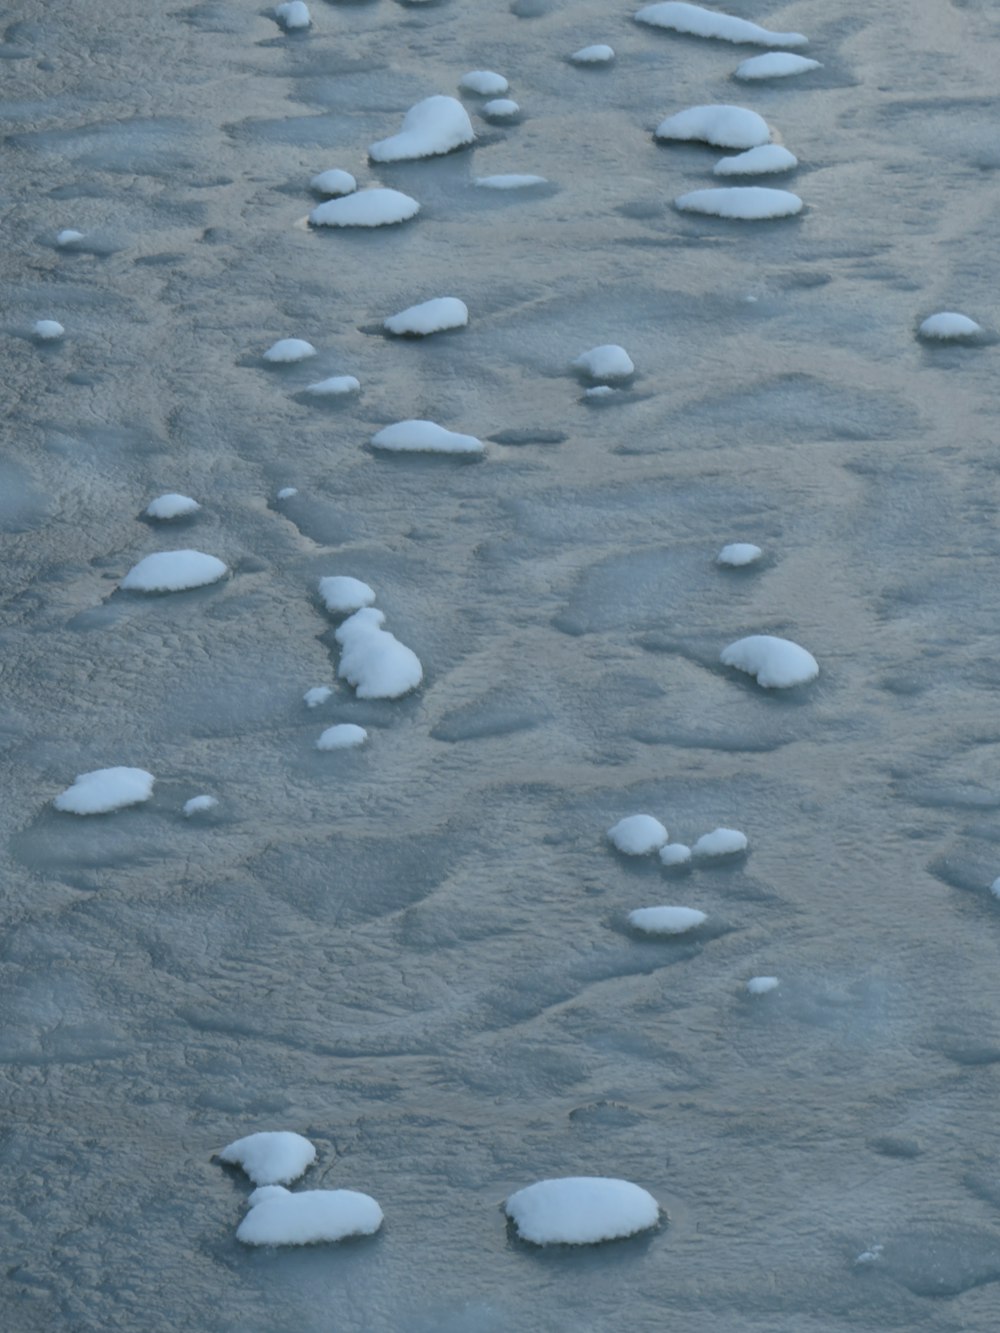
{"x":666,"y":920}
{"x":425,"y":437}
{"x":309,"y":1217}
{"x":747,"y":203}
{"x":293,"y":14}
{"x":761,"y":985}
{"x":199,"y":804}
{"x":775,"y":65}
{"x":766,"y":160}
{"x":289,"y":349}
{"x":598,"y":54}
{"x":334,"y":183}
{"x":174,"y":571}
{"x":341,"y":594}
{"x":949,"y":324}
{"x":273,"y":1157}
{"x":701,"y":22}
{"x":342,"y":736}
{"x":334,"y":387}
{"x":607,"y":362}
{"x":171,"y":506}
{"x":365,"y":208}
{"x":719,"y":124}
{"x":373,"y":660}
{"x":581,"y":1210}
{"x":738,"y":554}
{"x":675,"y":854}
{"x":485,"y":82}
{"x":512,"y":181}
{"x":776,"y":663}
{"x":720,"y":842}
{"x":105,"y":789}
{"x":434,"y":126}
{"x":635,"y":835}
{"x":443,"y":312}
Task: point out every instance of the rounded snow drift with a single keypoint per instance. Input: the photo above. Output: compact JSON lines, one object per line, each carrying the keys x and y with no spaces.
{"x":337,"y":386}
{"x":68,"y":237}
{"x":675,"y":854}
{"x":762,"y":985}
{"x":289,"y":349}
{"x":425,"y":437}
{"x":581,"y":1210}
{"x":699,"y":22}
{"x":720,"y":842}
{"x":721,"y":125}
{"x":293,"y":15}
{"x":273,"y":1157}
{"x":443,"y":312}
{"x":635,"y":835}
{"x":747,"y":203}
{"x":738,"y":554}
{"x":343,"y":736}
{"x":172,"y":505}
{"x":341,"y":594}
{"x":777,"y":664}
{"x":316,"y":696}
{"x":767,"y":160}
{"x":775,"y":65}
{"x":309,"y":1217}
{"x":105,"y":789}
{"x":199,"y":804}
{"x":485,"y":82}
{"x":511,"y":181}
{"x":434,"y":126}
{"x":174,"y":571}
{"x":366,"y":208}
{"x":598,"y":54}
{"x":334,"y":183}
{"x":948,"y":325}
{"x":373,"y":660}
{"x":666,"y":920}
{"x":607,"y":362}
{"x":48,"y":330}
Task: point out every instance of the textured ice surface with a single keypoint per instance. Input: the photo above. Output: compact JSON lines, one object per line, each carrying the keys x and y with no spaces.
{"x":700,"y":22}
{"x":106,"y":789}
{"x":174,"y":571}
{"x":581,"y":1210}
{"x":775,"y":663}
{"x":749,"y":202}
{"x":434,"y":126}
{"x":271,"y":1157}
{"x":309,"y":1217}
{"x":443,"y":312}
{"x":635,"y":835}
{"x":722,"y":125}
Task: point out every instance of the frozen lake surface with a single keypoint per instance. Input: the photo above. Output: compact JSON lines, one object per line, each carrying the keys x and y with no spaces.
{"x":416,"y":953}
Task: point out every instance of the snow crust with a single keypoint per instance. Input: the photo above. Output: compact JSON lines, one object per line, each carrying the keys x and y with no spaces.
{"x":334,"y":183}
{"x":761,"y":985}
{"x":308,"y":1217}
{"x":675,"y":854}
{"x":443,"y":312}
{"x":316,"y":696}
{"x":366,"y":208}
{"x":199,"y":803}
{"x":502,"y":108}
{"x":598,"y":54}
{"x":581,"y":1210}
{"x":775,"y":65}
{"x":105,"y":789}
{"x":512,"y":181}
{"x":171,"y":506}
{"x":737,"y":554}
{"x":289,"y":349}
{"x":720,"y":842}
{"x":701,"y":22}
{"x":335,"y":386}
{"x":373,"y":660}
{"x":607,"y":362}
{"x":666,"y":920}
{"x":434,"y":126}
{"x":749,"y":203}
{"x":425,"y":437}
{"x":48,"y":330}
{"x":343,"y":736}
{"x":174,"y":571}
{"x":776,"y":663}
{"x":763,"y":161}
{"x":293,"y":14}
{"x":274,"y":1157}
{"x":341,"y":594}
{"x":635,"y":835}
{"x":719,"y":124}
{"x":485,"y":82}
{"x":68,"y":236}
{"x":949,"y":324}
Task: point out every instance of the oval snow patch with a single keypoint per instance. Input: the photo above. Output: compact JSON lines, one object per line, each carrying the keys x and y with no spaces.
{"x":581,"y":1210}
{"x":776,"y":663}
{"x":174,"y":571}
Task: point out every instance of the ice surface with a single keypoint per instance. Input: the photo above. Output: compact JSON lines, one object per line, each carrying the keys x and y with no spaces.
{"x":761,"y":985}
{"x":738,"y":554}
{"x":342,"y":594}
{"x":485,"y":82}
{"x":434,"y":126}
{"x":425,"y":437}
{"x":598,"y":54}
{"x":511,"y":181}
{"x":701,"y":22}
{"x":581,"y":1210}
{"x":720,"y":124}
{"x":766,"y":160}
{"x":366,"y":208}
{"x":776,"y":663}
{"x":337,"y":386}
{"x":289,"y":349}
{"x":675,"y":854}
{"x":666,"y":920}
{"x":775,"y":65}
{"x":949,"y":324}
{"x":197,"y":804}
{"x":316,"y":696}
{"x":292,"y":14}
{"x":105,"y":789}
{"x":48,"y":330}
{"x":501,"y":108}
{"x":373,"y":660}
{"x":342,"y":736}
{"x":635,"y":835}
{"x":272,"y":1157}
{"x":172,"y":505}
{"x":174,"y":571}
{"x":443,"y":312}
{"x":720,"y":842}
{"x":309,"y":1217}
{"x":607,"y":362}
{"x":334,"y":183}
{"x":751,"y":203}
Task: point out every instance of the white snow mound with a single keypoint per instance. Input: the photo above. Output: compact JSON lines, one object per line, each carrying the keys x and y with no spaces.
{"x":171,"y":506}
{"x":443,"y":312}
{"x":502,"y":108}
{"x":995,"y":888}
{"x":174,"y":571}
{"x":289,"y":349}
{"x":635,"y":835}
{"x":273,"y":1157}
{"x":343,"y":736}
{"x":334,"y":183}
{"x":701,"y":22}
{"x":581,"y":1210}
{"x":719,"y":124}
{"x":48,"y":330}
{"x":776,"y":663}
{"x":675,"y":854}
{"x":199,"y":803}
{"x":366,"y":208}
{"x":512,"y":181}
{"x":607,"y":362}
{"x":341,"y":594}
{"x":435,"y":125}
{"x":316,"y":696}
{"x":761,"y":985}
{"x":425,"y":437}
{"x":373,"y":660}
{"x":68,"y":236}
{"x":749,"y":203}
{"x":485,"y":82}
{"x":666,"y":920}
{"x":287,"y":492}
{"x":949,"y":324}
{"x":598,"y":54}
{"x":105,"y":789}
{"x":720,"y":842}
{"x":737,"y":554}
{"x":335,"y":386}
{"x":308,"y":1217}
{"x":763,"y":161}
{"x":775,"y":65}
{"x":293,"y":14}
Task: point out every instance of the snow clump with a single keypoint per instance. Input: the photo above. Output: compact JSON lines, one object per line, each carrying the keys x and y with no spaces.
{"x":174,"y":571}
{"x":279,"y":1217}
{"x":599,"y":54}
{"x":287,"y":492}
{"x":343,"y":736}
{"x":293,"y":14}
{"x":199,"y":803}
{"x":334,"y":183}
{"x":373,"y":660}
{"x":581,"y":1210}
{"x":105,"y":789}
{"x":289,"y":349}
{"x":720,"y":842}
{"x":775,"y":65}
{"x":761,"y":985}
{"x":701,"y":22}
{"x":171,"y":506}
{"x":635,"y":835}
{"x":316,"y":696}
{"x":995,"y":888}
{"x":334,"y":387}
{"x":737,"y":554}
{"x":675,"y":854}
{"x":776,"y":663}
{"x":485,"y":82}
{"x":444,"y":312}
{"x":666,"y":920}
{"x":510,"y":182}
{"x":341,"y":594}
{"x":722,"y":125}
{"x":434,"y":126}
{"x":502,"y":108}
{"x":48,"y":330}
{"x":367,"y":208}
{"x":274,"y":1157}
{"x":425,"y":437}
{"x":949,"y":324}
{"x":68,"y":236}
{"x":750,"y":203}
{"x":766,"y":160}
{"x":607,"y":362}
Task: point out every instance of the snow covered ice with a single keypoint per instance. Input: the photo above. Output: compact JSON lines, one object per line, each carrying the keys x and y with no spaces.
{"x":762,"y":985}
{"x":775,"y":65}
{"x":443,"y":312}
{"x":366,"y":208}
{"x":172,"y":505}
{"x":434,"y":126}
{"x":720,"y":842}
{"x":309,"y":1217}
{"x":949,"y":324}
{"x":675,"y":854}
{"x":765,"y":160}
{"x":342,"y":736}
{"x":607,"y":362}
{"x":334,"y":183}
{"x":272,"y":1157}
{"x":749,"y":203}
{"x":721,"y":125}
{"x":738,"y":554}
{"x":501,"y":108}
{"x":485,"y":82}
{"x":289,"y":349}
{"x":635,"y":835}
{"x":293,"y":15}
{"x":342,"y":594}
{"x":512,"y":181}
{"x":316,"y":696}
{"x":598,"y":54}
{"x":776,"y":663}
{"x":699,"y":22}
{"x":174,"y":571}
{"x":105,"y":789}
{"x":48,"y":330}
{"x":666,"y":920}
{"x":199,"y":804}
{"x":581,"y":1210}
{"x":337,"y":386}
{"x":425,"y":437}
{"x":373,"y":660}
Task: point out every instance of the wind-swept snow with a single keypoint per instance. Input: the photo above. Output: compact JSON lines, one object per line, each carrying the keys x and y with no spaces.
{"x":766,"y":160}
{"x":434,"y":126}
{"x":309,"y":1217}
{"x":581,"y":1210}
{"x":748,"y":203}
{"x":273,"y":1157}
{"x":699,"y":22}
{"x":719,"y":124}
{"x":635,"y":835}
{"x":443,"y":312}
{"x":425,"y":437}
{"x":775,"y":65}
{"x":365,"y":208}
{"x":776,"y":663}
{"x":174,"y":571}
{"x":105,"y":789}
{"x":512,"y":181}
{"x":373,"y":660}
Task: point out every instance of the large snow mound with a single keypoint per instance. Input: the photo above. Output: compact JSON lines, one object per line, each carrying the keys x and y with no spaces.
{"x":485,"y":82}
{"x":776,"y":663}
{"x":309,"y":1217}
{"x":701,"y":22}
{"x":435,"y":125}
{"x":511,"y":181}
{"x":666,"y":920}
{"x":721,"y":842}
{"x":366,"y":208}
{"x":607,"y":362}
{"x":749,"y":203}
{"x":949,"y":324}
{"x":341,"y":594}
{"x":334,"y":183}
{"x":763,"y":161}
{"x":738,"y":554}
{"x":105,"y":789}
{"x":334,"y":387}
{"x":171,"y":505}
{"x":581,"y":1210}
{"x":342,"y":736}
{"x":719,"y":124}
{"x":174,"y":571}
{"x":443,"y":312}
{"x":425,"y":437}
{"x":373,"y":660}
{"x":635,"y":835}
{"x":289,"y":349}
{"x":775,"y":65}
{"x":598,"y":54}
{"x":273,"y":1157}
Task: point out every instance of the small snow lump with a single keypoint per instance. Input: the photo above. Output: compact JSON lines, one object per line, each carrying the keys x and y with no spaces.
{"x":699,"y":22}
{"x":292,"y":15}
{"x":105,"y":789}
{"x":197,"y":804}
{"x":341,"y":594}
{"x":512,"y":181}
{"x":581,"y":1210}
{"x":373,"y":660}
{"x":675,"y":854}
{"x":720,"y":842}
{"x":607,"y":362}
{"x":666,"y":920}
{"x":366,"y":208}
{"x":316,"y":696}
{"x":721,"y":125}
{"x":48,"y":330}
{"x":174,"y":571}
{"x":334,"y":387}
{"x":948,"y":324}
{"x":750,"y":203}
{"x":334,"y":183}
{"x":273,"y":1157}
{"x":598,"y":54}
{"x":761,"y":985}
{"x":443,"y":312}
{"x":767,"y":160}
{"x":502,"y":108}
{"x":775,"y":65}
{"x":68,"y":237}
{"x":776,"y":663}
{"x":738,"y":554}
{"x":343,"y":736}
{"x":172,"y":506}
{"x":635,"y":835}
{"x":289,"y":349}
{"x":424,"y":437}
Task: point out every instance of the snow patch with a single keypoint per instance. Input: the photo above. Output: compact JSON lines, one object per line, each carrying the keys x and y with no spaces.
{"x":425,"y":437}
{"x":289,"y":349}
{"x":287,"y":492}
{"x":68,"y":237}
{"x":766,"y":160}
{"x":105,"y":789}
{"x":373,"y":660}
{"x":775,"y":65}
{"x":274,"y":1157}
{"x":607,"y":362}
{"x":443,"y":312}
{"x":581,"y":1210}
{"x":316,"y":696}
{"x":309,"y":1217}
{"x":666,"y":920}
{"x":48,"y":330}
{"x":197,"y":804}
{"x":719,"y":124}
{"x":502,"y":108}
{"x":510,"y":182}
{"x":334,"y":387}
{"x":174,"y":571}
{"x":701,"y":22}
{"x":341,"y":594}
{"x":738,"y":554}
{"x":761,"y":985}
{"x":635,"y":835}
{"x":434,"y":126}
{"x":598,"y":54}
{"x":720,"y":842}
{"x":334,"y":183}
{"x":750,"y":203}
{"x":949,"y":324}
{"x":367,"y":208}
{"x":171,"y":506}
{"x":485,"y":82}
{"x":675,"y":854}
{"x":292,"y":15}
{"x":776,"y":663}
{"x":343,"y":736}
